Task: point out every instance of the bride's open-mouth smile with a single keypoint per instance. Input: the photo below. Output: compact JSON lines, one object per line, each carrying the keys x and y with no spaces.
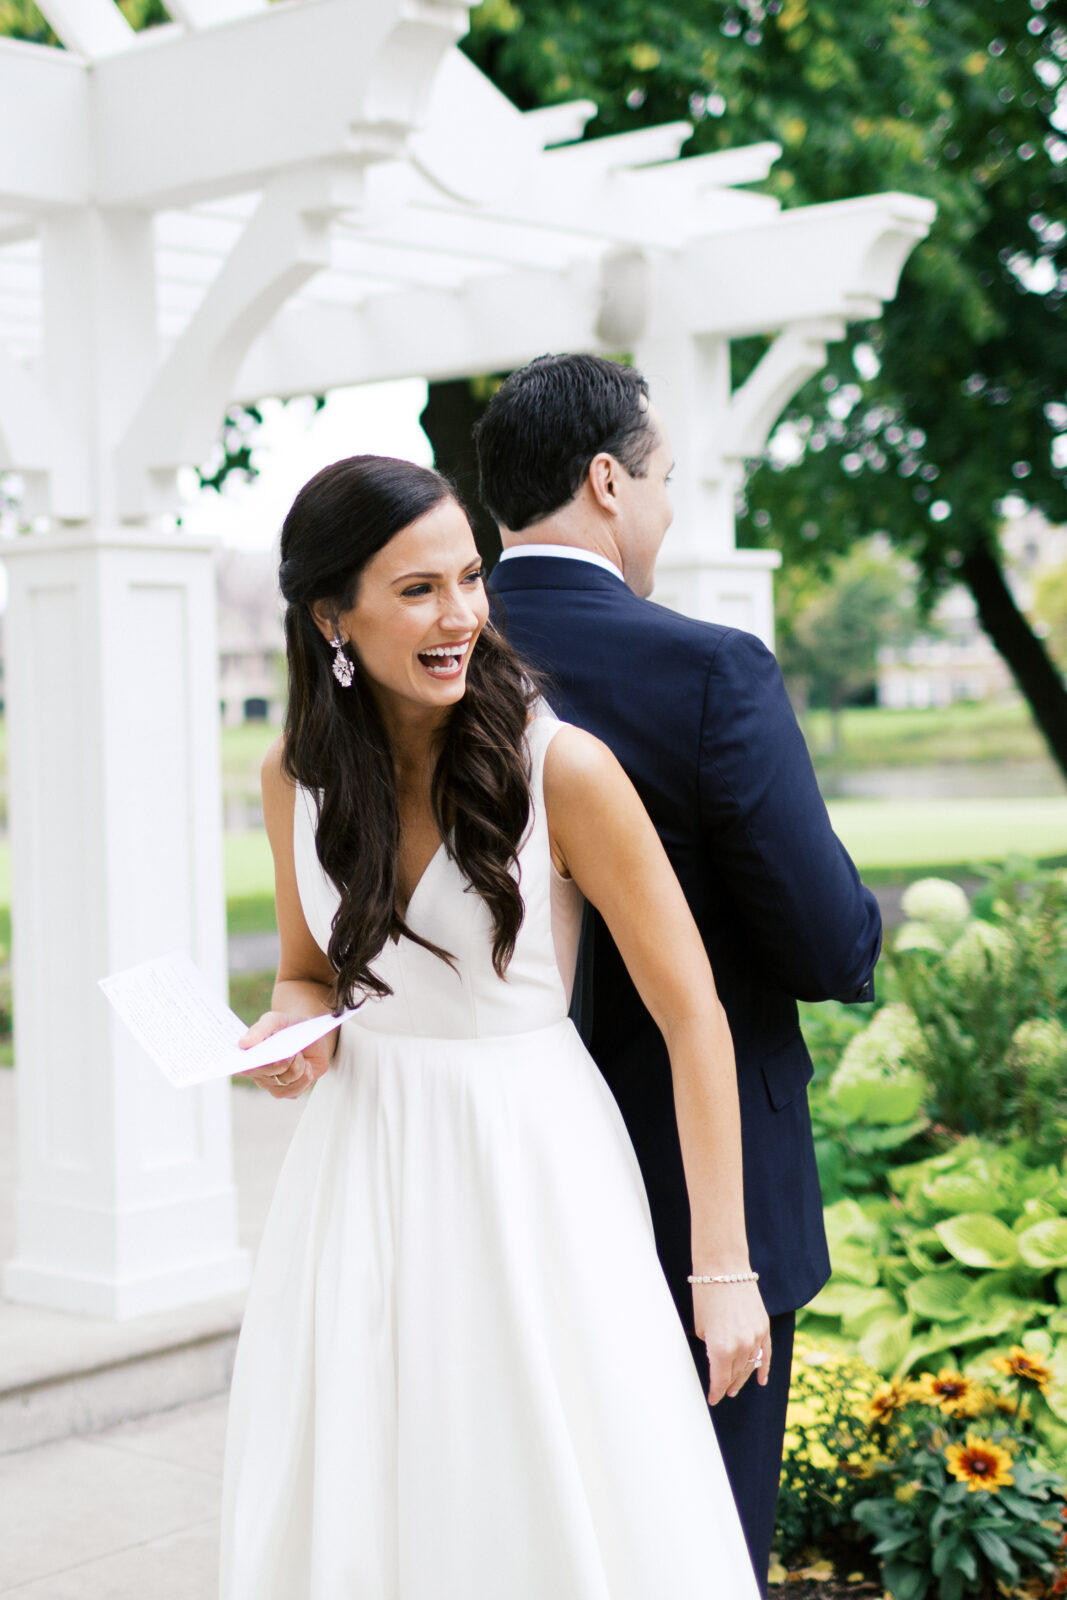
{"x":445,"y":660}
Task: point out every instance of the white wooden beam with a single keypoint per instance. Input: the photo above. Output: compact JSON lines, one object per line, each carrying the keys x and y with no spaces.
{"x":845,"y":261}
{"x":27,"y":429}
{"x":796,"y":355}
{"x":494,"y":323}
{"x":226,"y":109}
{"x":286,"y":242}
{"x":206,"y":13}
{"x":560,"y":124}
{"x":45,"y":127}
{"x":90,"y":28}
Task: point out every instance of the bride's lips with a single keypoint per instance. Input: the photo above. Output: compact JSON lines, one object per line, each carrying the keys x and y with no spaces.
{"x":445,"y":660}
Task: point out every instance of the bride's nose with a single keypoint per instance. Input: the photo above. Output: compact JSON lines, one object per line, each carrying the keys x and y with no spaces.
{"x":461,"y":612}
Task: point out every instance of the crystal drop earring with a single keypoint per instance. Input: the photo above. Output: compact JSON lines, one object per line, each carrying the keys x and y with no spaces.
{"x":343,"y":670}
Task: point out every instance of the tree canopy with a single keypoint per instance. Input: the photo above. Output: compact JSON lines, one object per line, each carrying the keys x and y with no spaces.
{"x":925,"y":422}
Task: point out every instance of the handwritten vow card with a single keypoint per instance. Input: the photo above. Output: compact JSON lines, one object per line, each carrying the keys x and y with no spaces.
{"x":191,"y":1035}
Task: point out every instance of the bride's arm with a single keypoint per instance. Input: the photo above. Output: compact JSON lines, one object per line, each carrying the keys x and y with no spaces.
{"x":602,"y":837}
{"x":304,"y":985}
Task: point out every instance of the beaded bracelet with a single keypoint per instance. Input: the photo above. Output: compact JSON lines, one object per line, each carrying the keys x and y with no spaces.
{"x":723,"y":1277}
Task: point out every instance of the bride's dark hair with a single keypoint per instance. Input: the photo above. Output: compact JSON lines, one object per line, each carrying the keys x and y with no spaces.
{"x":336,"y":744}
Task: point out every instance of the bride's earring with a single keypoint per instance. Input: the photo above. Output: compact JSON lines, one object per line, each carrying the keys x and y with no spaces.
{"x":343,"y":670}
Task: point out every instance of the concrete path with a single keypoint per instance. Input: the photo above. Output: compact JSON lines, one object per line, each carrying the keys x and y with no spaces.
{"x":108,"y":1509}
{"x":131,"y":1513}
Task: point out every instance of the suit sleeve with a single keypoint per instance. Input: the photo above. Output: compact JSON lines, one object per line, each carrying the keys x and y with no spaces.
{"x":762,"y":816}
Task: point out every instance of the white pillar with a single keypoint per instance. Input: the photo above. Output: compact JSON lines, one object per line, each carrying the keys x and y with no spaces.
{"x":700,"y":570}
{"x":126,"y":1201}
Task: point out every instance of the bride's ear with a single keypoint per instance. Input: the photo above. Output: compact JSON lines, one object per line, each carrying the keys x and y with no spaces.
{"x":324,"y":615}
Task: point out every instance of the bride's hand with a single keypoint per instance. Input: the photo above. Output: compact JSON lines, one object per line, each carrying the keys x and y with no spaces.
{"x":287,"y":1079}
{"x":733,"y":1323}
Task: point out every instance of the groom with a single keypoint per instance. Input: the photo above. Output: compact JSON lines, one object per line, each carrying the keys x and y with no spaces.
{"x":574,"y":464}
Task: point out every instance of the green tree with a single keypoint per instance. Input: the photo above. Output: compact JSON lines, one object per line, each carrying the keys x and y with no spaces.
{"x":1050,"y":611}
{"x":925,"y":421}
{"x":831,"y":628}
{"x":20,"y":19}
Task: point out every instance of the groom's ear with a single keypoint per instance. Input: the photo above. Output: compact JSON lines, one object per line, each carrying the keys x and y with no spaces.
{"x":601,"y":478}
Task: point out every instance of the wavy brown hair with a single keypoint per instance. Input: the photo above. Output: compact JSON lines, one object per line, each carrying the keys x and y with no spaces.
{"x":336,"y":744}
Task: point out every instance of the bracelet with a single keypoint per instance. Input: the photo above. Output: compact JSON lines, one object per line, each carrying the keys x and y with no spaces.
{"x":723,"y":1277}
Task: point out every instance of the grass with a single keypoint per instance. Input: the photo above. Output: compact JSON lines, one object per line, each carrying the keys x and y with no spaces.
{"x":966,"y":734}
{"x":901,"y":838}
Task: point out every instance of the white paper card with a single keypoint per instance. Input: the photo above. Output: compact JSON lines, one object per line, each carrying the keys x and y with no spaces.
{"x":191,"y":1035}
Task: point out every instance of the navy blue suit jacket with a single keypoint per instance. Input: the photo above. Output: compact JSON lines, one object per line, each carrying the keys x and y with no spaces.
{"x":698,"y":716}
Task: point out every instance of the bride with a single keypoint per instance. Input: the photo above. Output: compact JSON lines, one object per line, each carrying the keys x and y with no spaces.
{"x":461,"y":1375}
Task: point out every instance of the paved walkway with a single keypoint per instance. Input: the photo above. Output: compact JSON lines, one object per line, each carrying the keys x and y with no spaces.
{"x":126,"y":1512}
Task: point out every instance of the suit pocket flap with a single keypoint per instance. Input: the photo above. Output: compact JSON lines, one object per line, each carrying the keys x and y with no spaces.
{"x":787,"y":1071}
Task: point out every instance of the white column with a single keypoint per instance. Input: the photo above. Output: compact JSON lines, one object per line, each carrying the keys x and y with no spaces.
{"x":126,"y":1201}
{"x":700,"y":570}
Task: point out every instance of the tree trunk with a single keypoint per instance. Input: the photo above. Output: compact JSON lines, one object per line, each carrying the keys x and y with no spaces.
{"x":1036,"y":675}
{"x":452,"y":409}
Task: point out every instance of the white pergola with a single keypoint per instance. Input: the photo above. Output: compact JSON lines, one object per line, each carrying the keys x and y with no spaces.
{"x":270,"y":200}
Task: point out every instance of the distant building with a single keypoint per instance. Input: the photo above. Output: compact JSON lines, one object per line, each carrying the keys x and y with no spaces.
{"x":251,"y":641}
{"x":958,"y":661}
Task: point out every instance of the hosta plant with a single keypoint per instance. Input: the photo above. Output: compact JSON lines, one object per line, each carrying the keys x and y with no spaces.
{"x":967,"y":1253}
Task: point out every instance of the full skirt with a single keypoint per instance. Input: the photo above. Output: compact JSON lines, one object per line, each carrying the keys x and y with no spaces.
{"x":461,"y":1375}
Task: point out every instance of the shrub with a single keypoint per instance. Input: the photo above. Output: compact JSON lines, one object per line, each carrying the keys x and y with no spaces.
{"x":990,"y":1000}
{"x":969,"y":1248}
{"x":961,"y":1503}
{"x":829,"y":1450}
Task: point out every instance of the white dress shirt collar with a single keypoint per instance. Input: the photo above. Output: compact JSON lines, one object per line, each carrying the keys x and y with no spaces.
{"x":568,"y":552}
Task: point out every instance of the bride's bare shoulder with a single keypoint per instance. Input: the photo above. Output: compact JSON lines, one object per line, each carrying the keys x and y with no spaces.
{"x":577,"y":764}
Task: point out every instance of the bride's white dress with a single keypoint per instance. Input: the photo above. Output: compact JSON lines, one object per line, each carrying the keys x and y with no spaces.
{"x":461,"y":1375}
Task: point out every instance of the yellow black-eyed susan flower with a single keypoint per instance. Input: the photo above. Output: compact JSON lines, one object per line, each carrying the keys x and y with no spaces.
{"x":951,"y":1392}
{"x":980,"y":1464}
{"x":888,"y":1399}
{"x":1024,"y":1367}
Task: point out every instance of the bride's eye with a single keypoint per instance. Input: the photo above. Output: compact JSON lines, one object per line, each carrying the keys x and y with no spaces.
{"x":476,"y":576}
{"x":415,"y":591}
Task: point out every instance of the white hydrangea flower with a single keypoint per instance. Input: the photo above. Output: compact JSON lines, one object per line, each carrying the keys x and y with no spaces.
{"x":937,"y":901}
{"x":893,"y":1043}
{"x":981,"y":949}
{"x":918,"y":936}
{"x":1041,"y":1042}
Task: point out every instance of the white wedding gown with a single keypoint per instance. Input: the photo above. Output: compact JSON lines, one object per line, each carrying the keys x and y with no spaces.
{"x":461,"y":1375}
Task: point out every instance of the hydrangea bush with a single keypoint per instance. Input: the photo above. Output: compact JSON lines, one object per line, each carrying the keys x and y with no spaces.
{"x":989,"y":998}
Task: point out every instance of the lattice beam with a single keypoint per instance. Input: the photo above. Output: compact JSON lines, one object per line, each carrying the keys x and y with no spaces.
{"x":88,"y":27}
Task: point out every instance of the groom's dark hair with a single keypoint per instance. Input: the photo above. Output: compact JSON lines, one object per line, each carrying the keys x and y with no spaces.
{"x":545,"y":424}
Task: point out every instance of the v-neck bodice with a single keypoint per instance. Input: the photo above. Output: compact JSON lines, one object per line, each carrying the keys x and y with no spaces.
{"x":432,"y":998}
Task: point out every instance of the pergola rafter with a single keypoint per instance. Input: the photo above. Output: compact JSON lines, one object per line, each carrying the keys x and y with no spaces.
{"x":275,"y":199}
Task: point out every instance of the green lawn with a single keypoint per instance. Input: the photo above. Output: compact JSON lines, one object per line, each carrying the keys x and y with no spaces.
{"x":899,"y":837}
{"x":874,"y":737}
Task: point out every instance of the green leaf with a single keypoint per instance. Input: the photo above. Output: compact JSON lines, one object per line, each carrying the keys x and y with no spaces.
{"x":995,"y":1550}
{"x":851,"y":1300}
{"x":972,"y":1190}
{"x":978,"y":1240}
{"x":855,"y":1263}
{"x":866,"y":1140}
{"x":885,"y":1343}
{"x":1061,"y":1287}
{"x":919,"y":1248}
{"x":848,"y":1220}
{"x":939,"y":1296}
{"x":1045,"y":1244}
{"x":881,"y":1100}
